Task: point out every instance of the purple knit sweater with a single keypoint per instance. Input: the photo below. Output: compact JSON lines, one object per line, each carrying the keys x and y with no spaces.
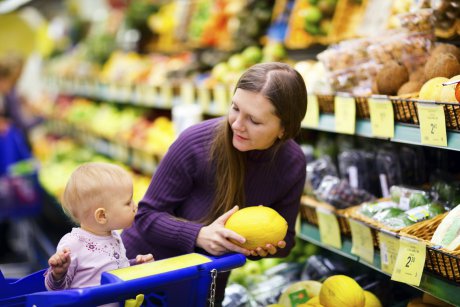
{"x":181,"y":192}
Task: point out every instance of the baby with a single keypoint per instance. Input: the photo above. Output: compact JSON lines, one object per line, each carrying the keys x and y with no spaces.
{"x":98,"y":197}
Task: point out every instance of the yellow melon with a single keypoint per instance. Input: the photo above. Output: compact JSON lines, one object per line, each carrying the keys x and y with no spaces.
{"x":300,"y":293}
{"x":431,"y":89}
{"x":371,"y":300}
{"x":448,"y":91}
{"x":259,"y":225}
{"x":341,"y":290}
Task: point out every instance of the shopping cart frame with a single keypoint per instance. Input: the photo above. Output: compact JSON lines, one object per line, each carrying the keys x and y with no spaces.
{"x":187,"y":286}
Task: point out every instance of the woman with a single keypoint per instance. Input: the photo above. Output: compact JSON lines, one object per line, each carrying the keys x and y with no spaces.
{"x":248,"y":158}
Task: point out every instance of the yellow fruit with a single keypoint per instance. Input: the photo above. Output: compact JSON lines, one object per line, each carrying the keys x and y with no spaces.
{"x":313,"y":302}
{"x":301,"y":292}
{"x":448,"y":91}
{"x":371,"y":300}
{"x":341,"y":290}
{"x":431,"y":89}
{"x":259,"y":225}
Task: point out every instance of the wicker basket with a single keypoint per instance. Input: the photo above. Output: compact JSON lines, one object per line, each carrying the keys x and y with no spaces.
{"x":326,"y":103}
{"x":375,"y":226}
{"x":445,"y":263}
{"x":405,"y":111}
{"x":308,"y":206}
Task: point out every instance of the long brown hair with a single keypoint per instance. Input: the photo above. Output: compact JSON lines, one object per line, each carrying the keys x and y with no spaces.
{"x":284,"y":87}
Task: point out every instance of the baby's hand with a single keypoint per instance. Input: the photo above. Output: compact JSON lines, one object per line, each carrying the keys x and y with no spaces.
{"x":144,"y":258}
{"x":59,"y":263}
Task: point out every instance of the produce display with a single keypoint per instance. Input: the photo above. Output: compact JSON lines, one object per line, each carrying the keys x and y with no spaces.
{"x":208,"y":45}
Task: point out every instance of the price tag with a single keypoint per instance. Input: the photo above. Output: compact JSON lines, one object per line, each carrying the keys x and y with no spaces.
{"x":432,"y":124}
{"x":148,"y":162}
{"x":204,"y":98}
{"x":409,"y":262}
{"x":329,"y":228}
{"x":311,"y":119}
{"x":345,"y":114}
{"x":389,"y":247}
{"x":150,"y":95}
{"x":382,"y":118}
{"x":220,"y":99}
{"x":136,"y":159}
{"x":166,"y":95}
{"x":187,"y":93}
{"x":362,"y":244}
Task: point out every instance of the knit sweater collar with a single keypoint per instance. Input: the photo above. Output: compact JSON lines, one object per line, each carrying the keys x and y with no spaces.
{"x":262,"y":155}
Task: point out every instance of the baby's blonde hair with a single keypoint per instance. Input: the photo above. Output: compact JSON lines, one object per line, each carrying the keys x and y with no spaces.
{"x":87,"y":187}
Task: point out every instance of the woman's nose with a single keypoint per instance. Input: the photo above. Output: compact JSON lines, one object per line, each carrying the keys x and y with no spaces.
{"x":238,"y":124}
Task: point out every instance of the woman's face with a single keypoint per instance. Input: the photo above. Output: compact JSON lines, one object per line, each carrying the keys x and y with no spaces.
{"x":254,"y":123}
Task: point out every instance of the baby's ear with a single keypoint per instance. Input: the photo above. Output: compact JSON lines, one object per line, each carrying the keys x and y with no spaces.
{"x":100,"y":216}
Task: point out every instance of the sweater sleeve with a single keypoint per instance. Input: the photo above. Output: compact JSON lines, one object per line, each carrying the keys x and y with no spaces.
{"x":66,"y":281}
{"x":171,"y":184}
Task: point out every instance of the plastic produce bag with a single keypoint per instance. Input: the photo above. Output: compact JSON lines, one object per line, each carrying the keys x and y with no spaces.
{"x":413,"y":166}
{"x":316,"y":171}
{"x":388,"y":170}
{"x":357,"y":167}
{"x":340,"y":194}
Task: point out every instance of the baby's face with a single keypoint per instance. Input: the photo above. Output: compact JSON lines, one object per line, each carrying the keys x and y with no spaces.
{"x":121,"y":209}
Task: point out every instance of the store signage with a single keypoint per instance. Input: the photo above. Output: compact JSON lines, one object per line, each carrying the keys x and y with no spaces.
{"x":409,"y":262}
{"x":389,"y":247}
{"x":382,"y":118}
{"x":220,"y":99}
{"x":329,"y":230}
{"x":204,"y":98}
{"x":311,"y":118}
{"x":432,"y":124}
{"x":345,"y":114}
{"x":362,"y":244}
{"x":187,"y":93}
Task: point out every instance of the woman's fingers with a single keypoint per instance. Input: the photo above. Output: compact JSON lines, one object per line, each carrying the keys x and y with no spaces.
{"x":224,"y":217}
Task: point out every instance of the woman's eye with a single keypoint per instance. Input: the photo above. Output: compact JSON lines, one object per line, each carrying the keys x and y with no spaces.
{"x":254,"y":122}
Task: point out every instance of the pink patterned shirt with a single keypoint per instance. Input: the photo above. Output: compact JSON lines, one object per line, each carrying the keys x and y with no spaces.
{"x":90,"y":256}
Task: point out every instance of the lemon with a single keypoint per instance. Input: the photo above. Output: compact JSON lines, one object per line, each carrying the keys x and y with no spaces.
{"x":259,"y":225}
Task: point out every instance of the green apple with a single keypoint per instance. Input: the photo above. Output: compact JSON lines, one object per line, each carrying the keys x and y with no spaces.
{"x":252,"y":54}
{"x":252,"y":268}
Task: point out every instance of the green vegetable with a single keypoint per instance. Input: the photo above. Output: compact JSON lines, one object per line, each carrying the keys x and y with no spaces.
{"x":417,"y":199}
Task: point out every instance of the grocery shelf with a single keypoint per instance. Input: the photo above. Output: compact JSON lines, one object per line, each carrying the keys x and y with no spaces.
{"x":403,"y":133}
{"x":430,"y":283}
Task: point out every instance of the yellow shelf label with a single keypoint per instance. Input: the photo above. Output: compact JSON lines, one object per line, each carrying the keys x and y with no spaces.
{"x":160,"y":266}
{"x":166,"y":95}
{"x":345,"y":114}
{"x":187,"y":93}
{"x":361,"y":238}
{"x":220,"y":99}
{"x":409,"y":262}
{"x":389,"y":248}
{"x":432,"y":124}
{"x":329,"y":230}
{"x":204,"y":97}
{"x":311,"y":118}
{"x":382,"y":118}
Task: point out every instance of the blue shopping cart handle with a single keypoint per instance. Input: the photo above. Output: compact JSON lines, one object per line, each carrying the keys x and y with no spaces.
{"x":29,"y":290}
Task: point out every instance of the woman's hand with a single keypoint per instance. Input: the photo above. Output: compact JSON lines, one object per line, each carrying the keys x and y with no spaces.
{"x":144,"y":258}
{"x":215,"y":238}
{"x":268,"y":249}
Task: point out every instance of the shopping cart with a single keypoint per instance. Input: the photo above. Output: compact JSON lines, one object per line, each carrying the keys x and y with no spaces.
{"x":181,"y":281}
